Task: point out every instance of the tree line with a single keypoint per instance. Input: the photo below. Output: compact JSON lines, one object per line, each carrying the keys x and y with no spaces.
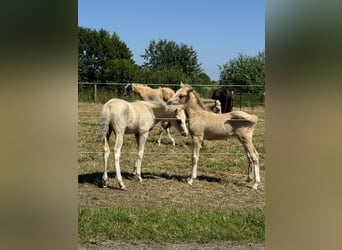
{"x":104,"y":58}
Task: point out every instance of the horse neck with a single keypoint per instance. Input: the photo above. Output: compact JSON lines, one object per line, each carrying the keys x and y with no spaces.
{"x":194,"y":105}
{"x":160,"y":110}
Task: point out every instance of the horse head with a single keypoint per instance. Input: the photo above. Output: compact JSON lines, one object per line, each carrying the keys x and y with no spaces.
{"x":181,"y":96}
{"x":129,"y":89}
{"x":180,"y":119}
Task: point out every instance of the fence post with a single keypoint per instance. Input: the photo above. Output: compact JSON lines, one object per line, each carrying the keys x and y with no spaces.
{"x":240,"y":99}
{"x":95,"y":92}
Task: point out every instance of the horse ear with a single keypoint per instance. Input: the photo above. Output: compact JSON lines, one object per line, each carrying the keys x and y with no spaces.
{"x":181,"y":84}
{"x":190,"y":90}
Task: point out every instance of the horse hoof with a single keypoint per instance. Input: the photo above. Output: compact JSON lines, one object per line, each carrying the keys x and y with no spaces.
{"x":122,"y":187}
{"x":104,"y":183}
{"x":190,"y":182}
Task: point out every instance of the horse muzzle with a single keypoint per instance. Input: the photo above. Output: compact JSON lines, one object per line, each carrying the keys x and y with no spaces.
{"x":183,"y":133}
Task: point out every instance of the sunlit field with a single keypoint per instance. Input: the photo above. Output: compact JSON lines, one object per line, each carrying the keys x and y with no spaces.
{"x":219,"y":190}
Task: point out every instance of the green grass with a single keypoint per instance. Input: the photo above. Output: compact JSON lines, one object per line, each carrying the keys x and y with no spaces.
{"x":153,"y":225}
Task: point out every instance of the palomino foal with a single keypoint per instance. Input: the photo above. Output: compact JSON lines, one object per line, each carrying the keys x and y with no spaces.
{"x":138,"y":118}
{"x":210,"y":126}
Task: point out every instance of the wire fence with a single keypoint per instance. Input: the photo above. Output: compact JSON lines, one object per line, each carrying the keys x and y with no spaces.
{"x":102,"y":92}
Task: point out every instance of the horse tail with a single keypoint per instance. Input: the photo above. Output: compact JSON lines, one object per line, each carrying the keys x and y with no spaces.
{"x":243,"y":116}
{"x":104,"y":124}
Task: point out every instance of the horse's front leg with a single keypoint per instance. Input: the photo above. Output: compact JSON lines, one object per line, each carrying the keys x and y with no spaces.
{"x":161,"y":130}
{"x":141,"y":140}
{"x":197,"y":141}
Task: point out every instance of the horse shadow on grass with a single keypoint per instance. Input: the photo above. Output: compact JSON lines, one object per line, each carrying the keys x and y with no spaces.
{"x":180,"y":178}
{"x":96,"y":177}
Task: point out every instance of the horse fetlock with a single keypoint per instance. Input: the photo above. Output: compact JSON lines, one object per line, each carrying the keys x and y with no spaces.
{"x":255,"y":186}
{"x":122,"y":186}
{"x":104,"y":182}
{"x":137,"y":176}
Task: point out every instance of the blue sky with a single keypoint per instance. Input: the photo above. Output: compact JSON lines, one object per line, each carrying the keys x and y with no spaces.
{"x":216,"y":29}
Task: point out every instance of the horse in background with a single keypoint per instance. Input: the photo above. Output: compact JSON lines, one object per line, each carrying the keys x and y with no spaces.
{"x":146,"y":93}
{"x":225,"y":97}
{"x":138,"y":118}
{"x":207,"y":125}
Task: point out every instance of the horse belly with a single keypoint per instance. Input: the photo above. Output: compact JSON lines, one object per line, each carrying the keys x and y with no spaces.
{"x":140,"y":126}
{"x":216,"y":133}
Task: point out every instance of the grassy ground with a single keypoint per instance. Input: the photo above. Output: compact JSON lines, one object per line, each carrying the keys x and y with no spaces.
{"x":163,"y":208}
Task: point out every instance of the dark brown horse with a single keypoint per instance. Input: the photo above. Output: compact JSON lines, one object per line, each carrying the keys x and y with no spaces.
{"x":225,"y":97}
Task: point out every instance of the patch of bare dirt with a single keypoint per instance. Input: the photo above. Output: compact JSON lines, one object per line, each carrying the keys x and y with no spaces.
{"x":164,"y":190}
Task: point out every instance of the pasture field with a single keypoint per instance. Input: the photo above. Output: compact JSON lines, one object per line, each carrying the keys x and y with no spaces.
{"x":163,"y":208}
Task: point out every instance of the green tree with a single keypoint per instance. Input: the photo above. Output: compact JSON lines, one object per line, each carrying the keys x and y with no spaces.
{"x":104,"y":57}
{"x":246,"y":71}
{"x":169,"y":62}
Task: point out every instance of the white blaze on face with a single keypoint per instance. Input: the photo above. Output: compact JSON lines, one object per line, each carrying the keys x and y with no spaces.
{"x":181,"y":119}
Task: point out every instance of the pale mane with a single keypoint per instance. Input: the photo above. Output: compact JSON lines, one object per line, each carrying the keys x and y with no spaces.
{"x":198,"y":99}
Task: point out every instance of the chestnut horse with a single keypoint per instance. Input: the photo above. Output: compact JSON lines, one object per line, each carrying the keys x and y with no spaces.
{"x":138,"y":118}
{"x":210,"y":126}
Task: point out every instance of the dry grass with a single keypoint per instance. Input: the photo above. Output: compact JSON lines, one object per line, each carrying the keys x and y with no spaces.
{"x":221,"y":172}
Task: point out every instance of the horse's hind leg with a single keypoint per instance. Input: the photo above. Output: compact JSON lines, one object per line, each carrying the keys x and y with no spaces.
{"x":253,"y":159}
{"x":117,"y":153}
{"x":167,"y":126}
{"x":170,"y":136}
{"x":106,"y":153}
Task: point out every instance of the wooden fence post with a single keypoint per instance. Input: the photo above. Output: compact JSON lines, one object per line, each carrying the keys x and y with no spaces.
{"x":95,"y":92}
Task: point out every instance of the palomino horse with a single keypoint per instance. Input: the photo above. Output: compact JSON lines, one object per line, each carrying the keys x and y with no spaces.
{"x":146,"y":93}
{"x":210,"y":126}
{"x":120,"y":117}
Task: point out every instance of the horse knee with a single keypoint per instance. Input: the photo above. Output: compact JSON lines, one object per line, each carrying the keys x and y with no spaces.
{"x":140,"y":155}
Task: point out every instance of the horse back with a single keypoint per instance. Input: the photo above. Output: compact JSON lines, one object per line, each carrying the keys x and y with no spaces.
{"x":167,"y":93}
{"x":126,"y":117}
